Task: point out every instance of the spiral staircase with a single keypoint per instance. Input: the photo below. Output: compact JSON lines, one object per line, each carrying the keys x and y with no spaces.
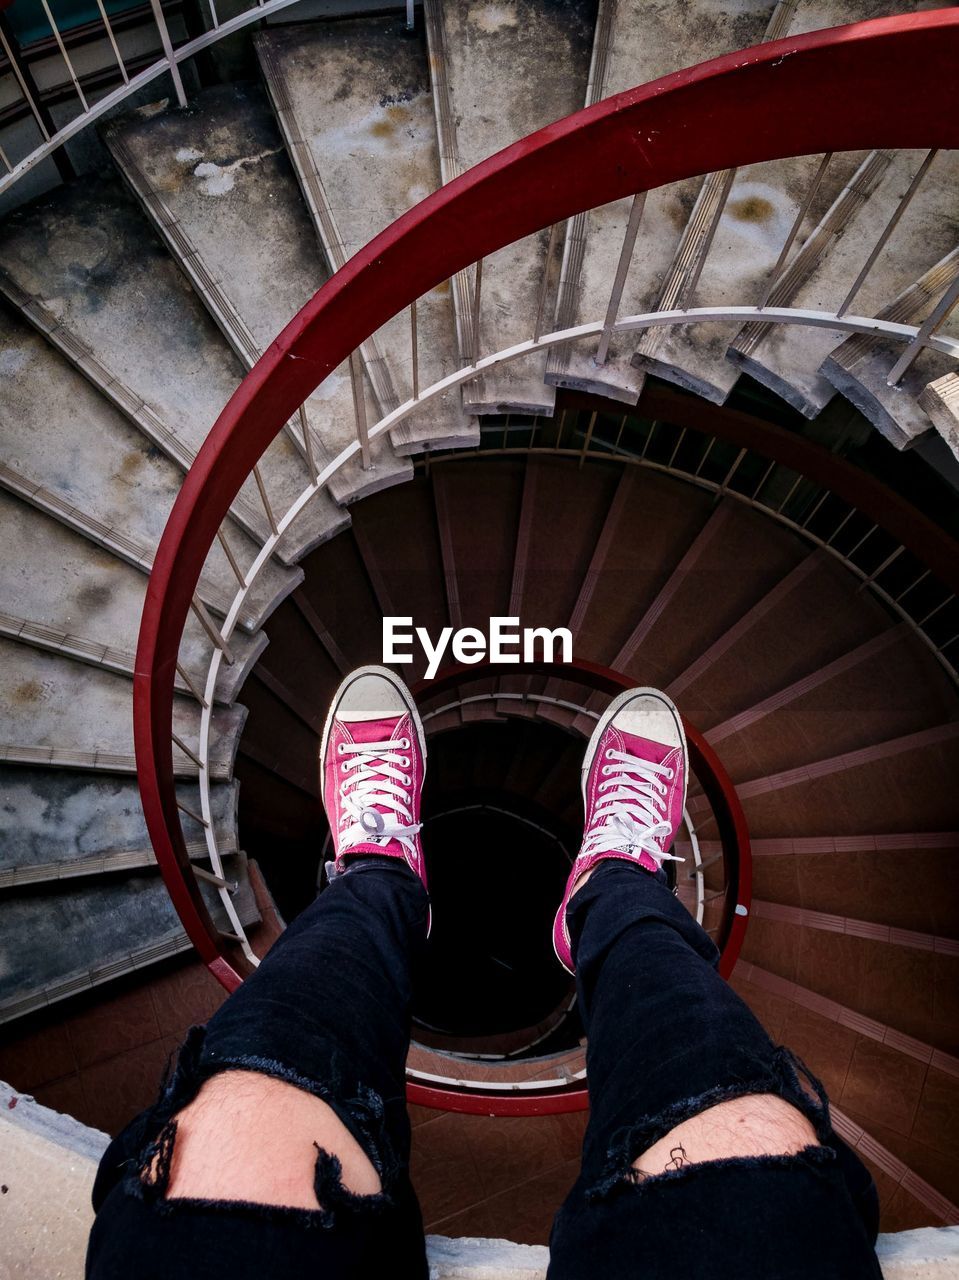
{"x":744,"y":493}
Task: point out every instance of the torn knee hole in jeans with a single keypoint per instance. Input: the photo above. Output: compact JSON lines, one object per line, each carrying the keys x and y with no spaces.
{"x":782,"y":1076}
{"x":363,"y":1115}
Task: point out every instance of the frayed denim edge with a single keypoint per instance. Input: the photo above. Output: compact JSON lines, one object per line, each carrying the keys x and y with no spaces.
{"x":779,"y":1077}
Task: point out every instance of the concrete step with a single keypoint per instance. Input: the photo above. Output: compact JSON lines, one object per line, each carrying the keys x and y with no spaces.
{"x":84,"y":267}
{"x":637,"y":41}
{"x":69,"y":452}
{"x":498,"y":74}
{"x":217,"y":185}
{"x":940,"y":400}
{"x":860,"y":368}
{"x":65,"y":939}
{"x":56,"y":711}
{"x":353,"y":102}
{"x":788,"y":359}
{"x":60,"y":592}
{"x":58,"y":824}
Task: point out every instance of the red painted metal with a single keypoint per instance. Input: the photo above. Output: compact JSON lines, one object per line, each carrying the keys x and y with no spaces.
{"x":886,"y":83}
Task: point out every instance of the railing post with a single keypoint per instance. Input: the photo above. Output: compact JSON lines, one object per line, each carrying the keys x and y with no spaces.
{"x":167,"y":43}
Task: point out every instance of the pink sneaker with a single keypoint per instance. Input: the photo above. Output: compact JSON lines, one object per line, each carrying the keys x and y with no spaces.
{"x":634,"y":791}
{"x":373,"y":761}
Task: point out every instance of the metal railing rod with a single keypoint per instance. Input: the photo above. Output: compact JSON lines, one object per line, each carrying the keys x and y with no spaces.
{"x":702,"y":460}
{"x":231,"y":558}
{"x":689,"y":292}
{"x":187,"y":751}
{"x":887,"y":231}
{"x":672,"y":456}
{"x":265,"y":499}
{"x":211,"y":629}
{"x":865,"y":537}
{"x":201,"y":873}
{"x":842,"y":524}
{"x":359,"y":411}
{"x":190,"y":813}
{"x":7,"y":164}
{"x":785,"y":502}
{"x":648,"y":440}
{"x":477,"y":295}
{"x":113,"y":41}
{"x":214,"y":18}
{"x":619,"y":279}
{"x":63,"y":53}
{"x":172,"y":66}
{"x":822,"y":498}
{"x":414,"y":351}
{"x":932,"y":612}
{"x":939,"y":313}
{"x":883,"y":567}
{"x":190,"y":684}
{"x":308,"y":444}
{"x":765,"y":476}
{"x":410,"y":15}
{"x":797,"y":224}
{"x":544,"y":286}
{"x":24,"y":87}
{"x":912,"y":586}
{"x":732,"y":470}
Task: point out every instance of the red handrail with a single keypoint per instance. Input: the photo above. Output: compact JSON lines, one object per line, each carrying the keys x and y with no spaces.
{"x":886,"y":83}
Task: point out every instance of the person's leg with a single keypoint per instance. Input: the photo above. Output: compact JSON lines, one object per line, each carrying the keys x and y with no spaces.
{"x":709,"y":1151}
{"x":281,"y":1144}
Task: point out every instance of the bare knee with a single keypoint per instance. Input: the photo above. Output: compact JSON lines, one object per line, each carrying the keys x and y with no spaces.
{"x":250,"y":1137}
{"x":756,"y":1125}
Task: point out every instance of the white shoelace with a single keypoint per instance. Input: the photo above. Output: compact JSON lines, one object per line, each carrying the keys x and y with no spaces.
{"x":372,"y":776}
{"x":628,"y":817}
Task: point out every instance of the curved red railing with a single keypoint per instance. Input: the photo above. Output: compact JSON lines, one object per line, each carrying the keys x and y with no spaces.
{"x":886,"y":83}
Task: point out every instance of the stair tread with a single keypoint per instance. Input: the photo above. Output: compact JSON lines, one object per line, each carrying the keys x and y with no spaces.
{"x":788,"y":359}
{"x":60,"y":591}
{"x":641,"y":41}
{"x":345,"y":92}
{"x":49,"y":702}
{"x":86,"y":254}
{"x":215,"y":178}
{"x":51,"y":816}
{"x":61,"y":434}
{"x":495,"y":81}
{"x":68,"y":938}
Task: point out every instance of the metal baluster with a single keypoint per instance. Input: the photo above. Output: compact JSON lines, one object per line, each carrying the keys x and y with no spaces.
{"x":794,"y":229}
{"x":168,"y":51}
{"x":804,"y":523}
{"x":477,"y":292}
{"x":649,"y":439}
{"x":211,"y":629}
{"x":359,"y":411}
{"x":187,"y":752}
{"x":912,"y":586}
{"x":672,"y":456}
{"x":702,"y":460}
{"x":939,"y":313}
{"x":845,"y":520}
{"x":619,"y":279}
{"x":732,"y":470}
{"x":864,"y":538}
{"x":63,"y":53}
{"x":265,"y":499}
{"x":216,"y":21}
{"x":3,"y":157}
{"x":588,"y":438}
{"x":795,"y":485}
{"x":188,"y":681}
{"x":410,"y":16}
{"x":932,"y":612}
{"x":190,"y":814}
{"x":692,"y":284}
{"x":544,"y":287}
{"x":24,"y":89}
{"x":113,"y":41}
{"x":308,"y":445}
{"x":887,"y":231}
{"x":414,"y":351}
{"x":238,"y":572}
{"x":619,"y":433}
{"x":765,"y":476}
{"x":883,"y":567}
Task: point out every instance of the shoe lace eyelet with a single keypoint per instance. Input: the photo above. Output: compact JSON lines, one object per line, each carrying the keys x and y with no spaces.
{"x":604,"y":771}
{"x":670,"y":773}
{"x":344,"y":767}
{"x":404,"y":744}
{"x":405,"y":761}
{"x":407,"y":780}
{"x":609,"y":753}
{"x":340,"y":748}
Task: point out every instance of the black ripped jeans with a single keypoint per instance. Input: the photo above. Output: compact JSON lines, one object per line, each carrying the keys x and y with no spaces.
{"x":328,"y":1011}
